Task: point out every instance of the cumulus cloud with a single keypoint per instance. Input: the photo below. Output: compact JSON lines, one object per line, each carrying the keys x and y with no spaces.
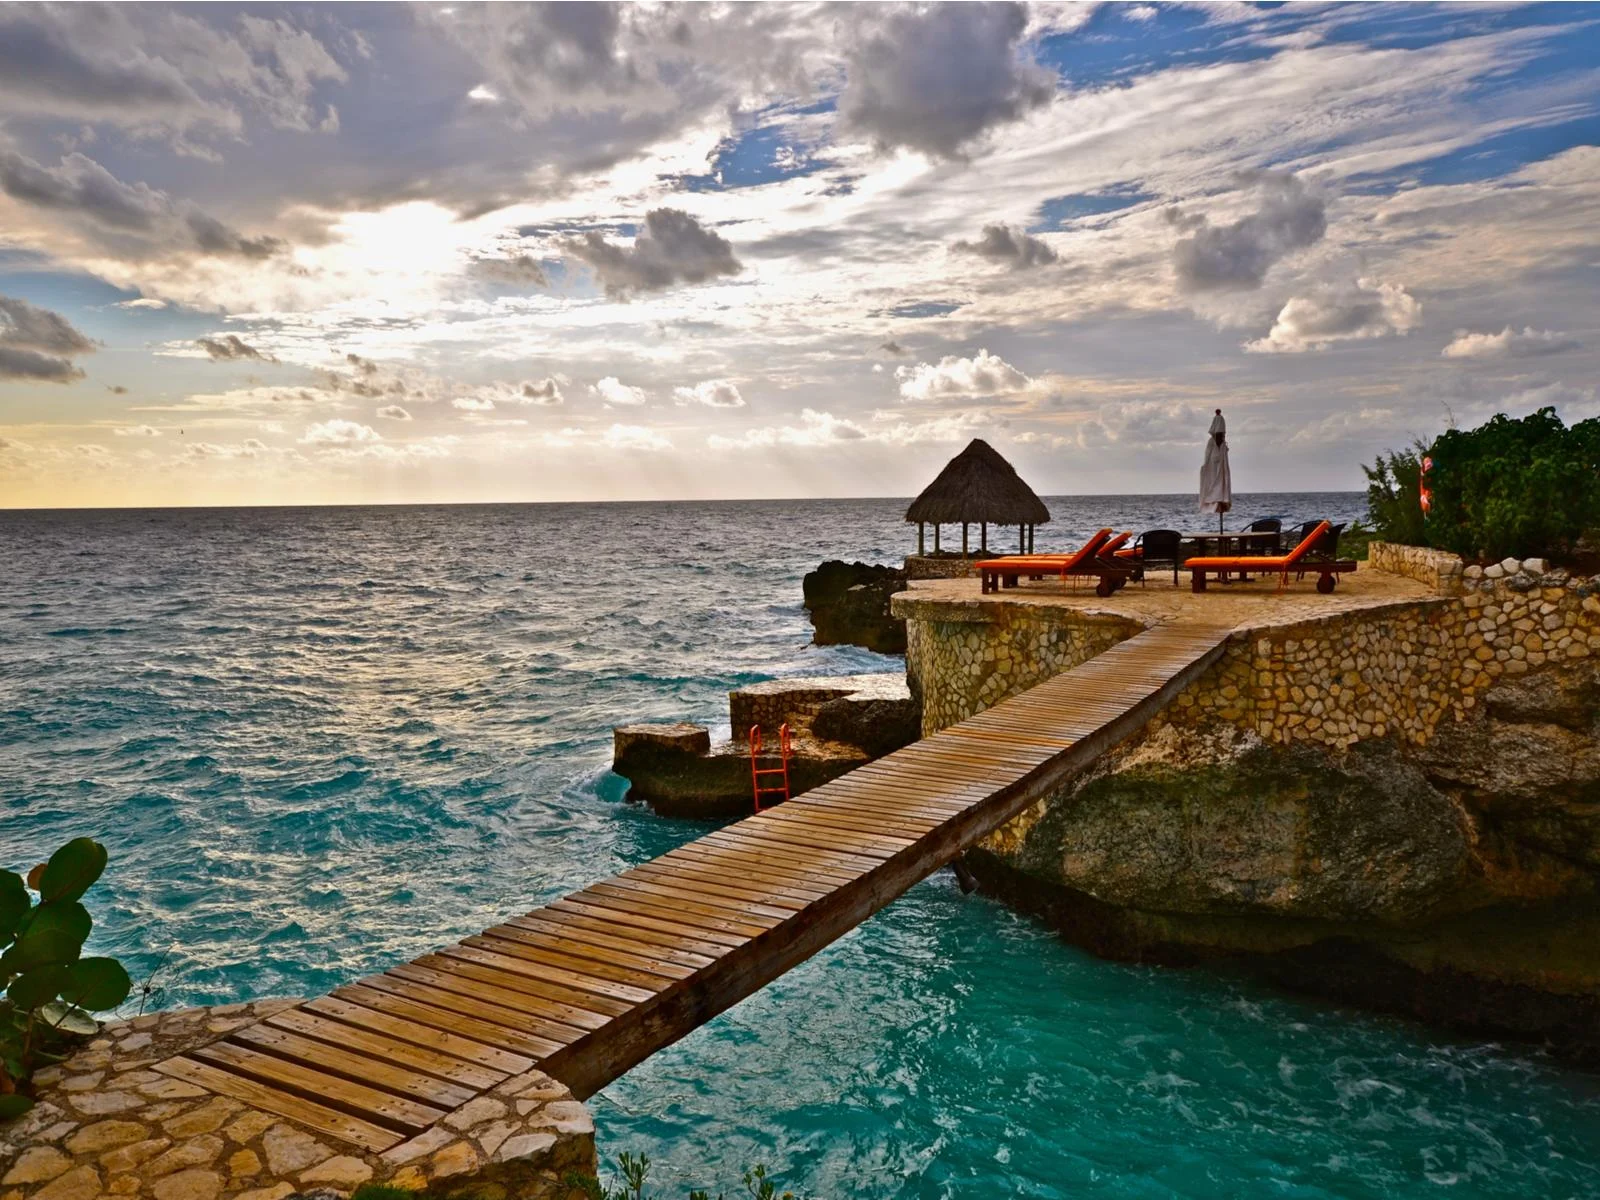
{"x":713,"y":393}
{"x":145,"y":69}
{"x":130,"y":218}
{"x":339,"y":432}
{"x":613,"y":391}
{"x":249,"y":448}
{"x":230,"y":347}
{"x":1508,"y":343}
{"x":672,"y":248}
{"x":473,"y":404}
{"x":136,"y":431}
{"x":543,"y":391}
{"x":393,"y":412}
{"x":635,"y":437}
{"x":521,"y":270}
{"x":893,"y":347}
{"x":984,"y":374}
{"x":1014,"y":248}
{"x":38,"y":344}
{"x":815,"y":429}
{"x":902,"y":88}
{"x":1369,"y":309}
{"x":1289,"y":216}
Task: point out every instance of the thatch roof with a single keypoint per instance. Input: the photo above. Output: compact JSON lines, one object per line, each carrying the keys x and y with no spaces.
{"x":978,"y":485}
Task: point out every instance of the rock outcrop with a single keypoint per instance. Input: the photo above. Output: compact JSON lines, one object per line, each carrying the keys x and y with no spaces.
{"x":849,"y":606}
{"x":838,"y":724}
{"x":1457,"y":881}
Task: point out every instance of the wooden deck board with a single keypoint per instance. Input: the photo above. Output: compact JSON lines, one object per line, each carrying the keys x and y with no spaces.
{"x":595,"y":982}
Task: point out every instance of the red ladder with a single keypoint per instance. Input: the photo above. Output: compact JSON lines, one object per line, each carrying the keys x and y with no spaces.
{"x":757,"y":772}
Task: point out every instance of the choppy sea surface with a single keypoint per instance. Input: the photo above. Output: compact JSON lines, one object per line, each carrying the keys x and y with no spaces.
{"x":319,"y":741}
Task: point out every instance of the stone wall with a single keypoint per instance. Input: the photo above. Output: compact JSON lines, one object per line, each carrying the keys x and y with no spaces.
{"x":1399,"y":671}
{"x":961,"y":660}
{"x":1438,"y":569}
{"x":797,"y":700}
{"x":951,"y":566}
{"x":108,"y":1124}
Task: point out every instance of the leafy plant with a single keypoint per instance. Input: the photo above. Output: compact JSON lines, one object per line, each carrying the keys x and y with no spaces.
{"x":47,"y":987}
{"x":635,"y":1174}
{"x":1394,"y":496}
{"x":1515,"y":487}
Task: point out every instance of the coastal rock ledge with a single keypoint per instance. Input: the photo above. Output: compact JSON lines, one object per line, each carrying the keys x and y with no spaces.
{"x":1390,"y":801}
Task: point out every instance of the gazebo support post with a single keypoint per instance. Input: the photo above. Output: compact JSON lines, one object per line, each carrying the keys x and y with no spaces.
{"x":936,"y":537}
{"x":963,"y":539}
{"x":1032,"y":529}
{"x":1022,"y":539}
{"x":922,"y":529}
{"x":983,"y":537}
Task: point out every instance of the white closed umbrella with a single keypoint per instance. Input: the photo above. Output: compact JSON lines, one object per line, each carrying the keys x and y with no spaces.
{"x":1216,"y":481}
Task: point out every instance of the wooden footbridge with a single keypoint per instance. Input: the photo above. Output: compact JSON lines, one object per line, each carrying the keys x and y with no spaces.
{"x":587,"y":987}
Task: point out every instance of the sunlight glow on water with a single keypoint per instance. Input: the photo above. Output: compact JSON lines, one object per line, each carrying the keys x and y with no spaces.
{"x":321,"y":741}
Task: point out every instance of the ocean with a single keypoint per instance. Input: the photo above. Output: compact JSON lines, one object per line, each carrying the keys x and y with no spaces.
{"x":320,"y":741}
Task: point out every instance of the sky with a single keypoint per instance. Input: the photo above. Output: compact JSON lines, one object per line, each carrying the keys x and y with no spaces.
{"x":270,"y":254}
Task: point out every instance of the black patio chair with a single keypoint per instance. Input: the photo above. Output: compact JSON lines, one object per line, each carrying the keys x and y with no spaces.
{"x":1326,"y":547}
{"x":1263,"y":545}
{"x":1159,"y":548}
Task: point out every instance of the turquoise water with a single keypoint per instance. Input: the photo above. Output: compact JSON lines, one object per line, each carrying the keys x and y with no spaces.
{"x":320,"y":741}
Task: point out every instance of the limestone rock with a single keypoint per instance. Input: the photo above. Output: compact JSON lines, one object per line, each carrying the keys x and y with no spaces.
{"x":38,"y":1164}
{"x":849,"y":605}
{"x":289,"y":1150}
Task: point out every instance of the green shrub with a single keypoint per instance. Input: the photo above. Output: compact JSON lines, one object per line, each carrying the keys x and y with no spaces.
{"x":47,"y":988}
{"x":1394,"y":498}
{"x":1515,"y":487}
{"x":634,"y":1171}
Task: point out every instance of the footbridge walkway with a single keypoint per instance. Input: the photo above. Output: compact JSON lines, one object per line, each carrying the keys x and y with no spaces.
{"x":587,"y":987}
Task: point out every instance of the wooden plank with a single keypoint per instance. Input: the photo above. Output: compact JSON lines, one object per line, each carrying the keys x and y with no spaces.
{"x":810,"y":871}
{"x":269,"y":1037}
{"x":553,"y":939}
{"x":712,"y":882}
{"x":312,"y":1115}
{"x":603,"y":908}
{"x":751,"y":920}
{"x":495,"y":1063}
{"x":758,"y":839}
{"x":468,"y":1002}
{"x":360,"y":1101}
{"x":453,"y":975}
{"x":668,"y":947}
{"x":786,"y":888}
{"x":579,"y":976}
{"x":482,"y":1023}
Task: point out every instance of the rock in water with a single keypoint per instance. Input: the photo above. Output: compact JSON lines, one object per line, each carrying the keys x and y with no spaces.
{"x":849,"y":606}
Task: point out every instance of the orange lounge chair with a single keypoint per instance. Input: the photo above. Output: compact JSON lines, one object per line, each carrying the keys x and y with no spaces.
{"x":1092,"y":558}
{"x":1327,"y":570}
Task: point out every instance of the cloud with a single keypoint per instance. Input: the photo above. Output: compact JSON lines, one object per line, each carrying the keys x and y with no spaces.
{"x":1289,"y":216}
{"x":1508,"y":343}
{"x":893,"y":347}
{"x":339,"y":432}
{"x":713,"y":393}
{"x":473,"y":404}
{"x":635,"y":437}
{"x":364,"y":365}
{"x":815,"y":429}
{"x":136,"y":431}
{"x":116,"y":389}
{"x":984,"y":374}
{"x":938,"y":78}
{"x":1367,"y":310}
{"x":131,"y":218}
{"x":544,"y":392}
{"x":38,"y":344}
{"x":229,"y":347}
{"x":1015,"y":249}
{"x":393,"y":412}
{"x":146,"y":69}
{"x":672,"y":248}
{"x":1139,"y":12}
{"x":613,"y":391}
{"x":249,"y":448}
{"x":521,"y":270}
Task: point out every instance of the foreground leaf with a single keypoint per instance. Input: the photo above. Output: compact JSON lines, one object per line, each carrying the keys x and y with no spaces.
{"x":95,"y":984}
{"x":72,"y":869}
{"x":36,"y":988}
{"x":14,"y":903}
{"x":69,"y":1020}
{"x":13,"y":1106}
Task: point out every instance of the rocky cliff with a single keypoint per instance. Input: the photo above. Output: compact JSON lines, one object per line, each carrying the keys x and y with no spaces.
{"x":849,"y":606}
{"x":1454,"y":880}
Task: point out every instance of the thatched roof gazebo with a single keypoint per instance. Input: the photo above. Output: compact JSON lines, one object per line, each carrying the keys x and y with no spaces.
{"x":977,"y":487}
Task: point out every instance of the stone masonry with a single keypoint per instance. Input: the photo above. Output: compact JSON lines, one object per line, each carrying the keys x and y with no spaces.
{"x":108,"y":1125}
